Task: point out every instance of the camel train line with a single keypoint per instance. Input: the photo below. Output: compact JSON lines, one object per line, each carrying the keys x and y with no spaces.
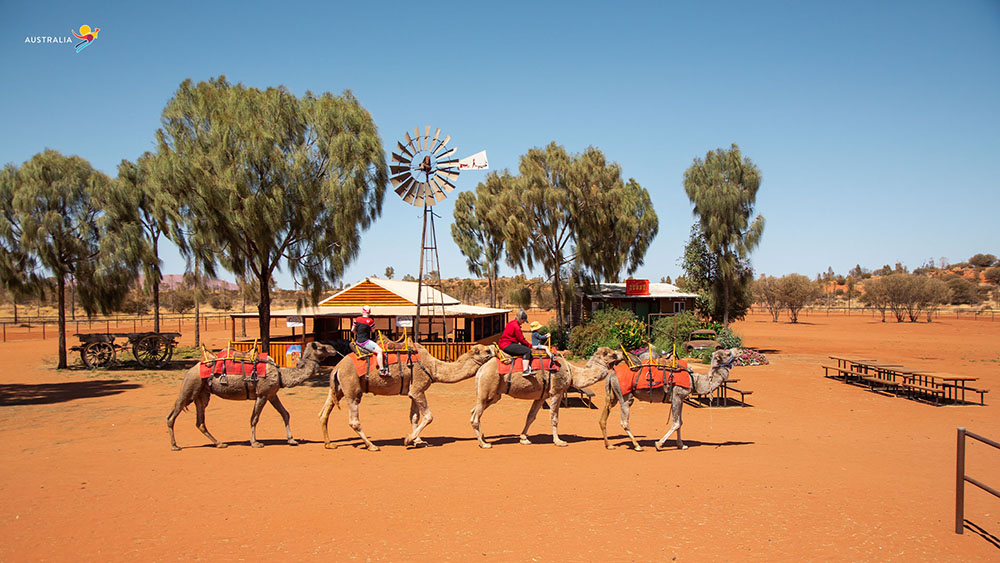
{"x":260,"y":379}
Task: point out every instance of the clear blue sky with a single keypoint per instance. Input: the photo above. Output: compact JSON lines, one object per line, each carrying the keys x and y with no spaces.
{"x":876,"y":124}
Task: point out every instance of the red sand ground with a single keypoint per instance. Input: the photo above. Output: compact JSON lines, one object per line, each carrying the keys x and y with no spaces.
{"x":814,"y":470}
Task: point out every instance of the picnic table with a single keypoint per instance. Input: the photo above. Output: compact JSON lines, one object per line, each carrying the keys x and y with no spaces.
{"x":722,"y":394}
{"x":916,"y":383}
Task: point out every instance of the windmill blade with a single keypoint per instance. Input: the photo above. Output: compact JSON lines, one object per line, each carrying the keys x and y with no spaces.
{"x":441,"y":189}
{"x":446,"y":154}
{"x":453,"y":163}
{"x":409,"y":143}
{"x":450,"y":173}
{"x":416,"y":135}
{"x":398,"y":168}
{"x":404,"y":185}
{"x":404,"y":150}
{"x":427,"y":137}
{"x":411,"y":191}
{"x":443,"y":143}
{"x":434,"y":140}
{"x":400,"y":159}
{"x":399,"y":178}
{"x":449,"y":185}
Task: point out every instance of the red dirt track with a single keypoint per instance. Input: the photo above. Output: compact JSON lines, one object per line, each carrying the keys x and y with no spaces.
{"x":814,"y":470}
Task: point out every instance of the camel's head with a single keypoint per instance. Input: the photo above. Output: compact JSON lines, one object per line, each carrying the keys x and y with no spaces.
{"x":607,"y":356}
{"x":317,"y":351}
{"x":481,"y":354}
{"x":723,"y":359}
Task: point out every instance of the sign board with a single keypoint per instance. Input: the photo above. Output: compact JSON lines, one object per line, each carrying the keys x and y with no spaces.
{"x":636,"y":287}
{"x":293,"y":353}
{"x":404,"y":322}
{"x":477,"y":161}
{"x":294,"y":321}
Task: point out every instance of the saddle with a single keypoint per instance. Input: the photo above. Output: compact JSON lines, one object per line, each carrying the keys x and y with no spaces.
{"x":653,"y":374}
{"x":363,"y":359}
{"x":539,"y":361}
{"x":233,"y":362}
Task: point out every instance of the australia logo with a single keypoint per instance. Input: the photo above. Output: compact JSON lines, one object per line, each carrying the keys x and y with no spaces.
{"x":87,"y":35}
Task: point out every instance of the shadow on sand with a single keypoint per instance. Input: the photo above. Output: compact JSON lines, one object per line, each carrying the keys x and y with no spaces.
{"x":976,"y":529}
{"x":670,"y":444}
{"x":50,"y":393}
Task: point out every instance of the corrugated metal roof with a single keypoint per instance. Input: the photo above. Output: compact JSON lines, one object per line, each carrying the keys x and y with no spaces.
{"x":459,"y":310}
{"x":617,"y":290}
{"x":402,"y":290}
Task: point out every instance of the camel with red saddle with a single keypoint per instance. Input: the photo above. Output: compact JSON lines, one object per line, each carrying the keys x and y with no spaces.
{"x":544,"y":385}
{"x":232,"y":376}
{"x":654,"y":382}
{"x":410,"y":374}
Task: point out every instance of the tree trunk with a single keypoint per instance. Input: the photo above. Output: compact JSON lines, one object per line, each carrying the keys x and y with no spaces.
{"x":13,"y":298}
{"x":725,"y":303}
{"x":557,"y":293}
{"x":197,"y":304}
{"x":264,"y":313}
{"x":156,"y":284}
{"x":243,"y":296}
{"x":61,"y":292}
{"x":72,"y":297}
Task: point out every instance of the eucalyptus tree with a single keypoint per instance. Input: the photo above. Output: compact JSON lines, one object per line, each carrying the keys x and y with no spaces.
{"x":54,"y":217}
{"x":18,"y":269}
{"x":267,"y":179}
{"x":480,"y":218}
{"x":616,"y":224}
{"x":138,"y":203}
{"x":723,"y":188}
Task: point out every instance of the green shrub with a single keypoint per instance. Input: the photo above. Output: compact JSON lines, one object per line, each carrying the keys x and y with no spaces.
{"x":729,"y":339}
{"x":668,"y":331}
{"x":608,"y":327}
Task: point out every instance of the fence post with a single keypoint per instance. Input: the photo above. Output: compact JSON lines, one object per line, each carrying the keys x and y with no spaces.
{"x":960,"y":484}
{"x":5,"y":332}
{"x":43,"y":330}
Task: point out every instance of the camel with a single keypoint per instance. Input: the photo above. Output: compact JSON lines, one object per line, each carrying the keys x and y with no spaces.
{"x":722,"y":361}
{"x":538,"y":388}
{"x":346,"y":382}
{"x":265,"y":390}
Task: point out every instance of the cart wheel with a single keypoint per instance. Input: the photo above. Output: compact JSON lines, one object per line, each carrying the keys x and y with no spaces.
{"x":152,"y":350}
{"x":98,"y":355}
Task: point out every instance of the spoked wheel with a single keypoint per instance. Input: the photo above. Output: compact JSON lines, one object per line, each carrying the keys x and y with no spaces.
{"x":152,"y":350}
{"x":98,"y":355}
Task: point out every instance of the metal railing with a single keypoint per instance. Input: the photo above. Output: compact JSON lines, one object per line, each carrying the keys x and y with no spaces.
{"x":961,"y":478}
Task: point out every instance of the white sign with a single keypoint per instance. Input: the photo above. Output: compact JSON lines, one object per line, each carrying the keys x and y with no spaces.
{"x":292,"y":322}
{"x":477,"y":161}
{"x":404,"y":322}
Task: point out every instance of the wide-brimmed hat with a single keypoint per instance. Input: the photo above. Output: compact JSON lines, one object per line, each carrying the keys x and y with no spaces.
{"x":535,"y":325}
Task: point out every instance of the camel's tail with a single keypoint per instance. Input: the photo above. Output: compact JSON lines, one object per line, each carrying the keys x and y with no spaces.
{"x":334,"y":395}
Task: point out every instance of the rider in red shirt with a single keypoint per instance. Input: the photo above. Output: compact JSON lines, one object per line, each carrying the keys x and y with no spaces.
{"x":512,"y":340}
{"x":363,"y":328}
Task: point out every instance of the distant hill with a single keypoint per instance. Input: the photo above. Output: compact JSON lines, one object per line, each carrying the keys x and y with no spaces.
{"x":173,"y":281}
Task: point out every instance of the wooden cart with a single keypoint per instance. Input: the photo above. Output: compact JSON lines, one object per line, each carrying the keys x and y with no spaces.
{"x":150,"y":349}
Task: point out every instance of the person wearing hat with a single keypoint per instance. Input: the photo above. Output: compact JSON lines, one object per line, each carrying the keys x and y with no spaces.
{"x":363,"y":328}
{"x":512,"y":340}
{"x":538,"y":339}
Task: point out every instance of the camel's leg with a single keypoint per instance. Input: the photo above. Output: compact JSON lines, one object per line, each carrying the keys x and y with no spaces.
{"x":676,"y":404}
{"x":353,"y":406}
{"x":324,"y":418}
{"x":276,"y":403}
{"x":532,"y":413}
{"x":477,"y":415}
{"x":609,"y":403}
{"x":423,"y":416}
{"x":258,"y":407}
{"x":626,"y":413}
{"x":554,"y":402}
{"x":179,"y":405}
{"x":200,"y":404}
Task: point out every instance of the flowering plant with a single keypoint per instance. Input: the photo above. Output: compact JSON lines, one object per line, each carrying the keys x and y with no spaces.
{"x":751,"y":358}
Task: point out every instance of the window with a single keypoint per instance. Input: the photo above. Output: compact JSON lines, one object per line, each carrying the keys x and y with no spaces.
{"x":678,"y":307}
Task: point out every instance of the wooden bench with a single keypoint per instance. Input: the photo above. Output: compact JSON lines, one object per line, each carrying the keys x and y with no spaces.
{"x":742,"y":393}
{"x":885,"y":384}
{"x":841,"y":372}
{"x":586,"y":397}
{"x":936,"y":391}
{"x":982,"y":393}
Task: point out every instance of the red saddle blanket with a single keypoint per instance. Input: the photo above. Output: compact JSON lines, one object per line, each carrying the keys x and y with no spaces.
{"x":232,"y":362}
{"x":652,"y":374}
{"x":361,"y":364}
{"x":516,"y":365}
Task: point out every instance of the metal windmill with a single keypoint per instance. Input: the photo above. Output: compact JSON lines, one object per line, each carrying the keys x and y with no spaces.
{"x":424,"y":171}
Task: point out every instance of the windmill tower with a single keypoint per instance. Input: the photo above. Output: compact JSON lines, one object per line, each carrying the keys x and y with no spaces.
{"x":423,"y":173}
